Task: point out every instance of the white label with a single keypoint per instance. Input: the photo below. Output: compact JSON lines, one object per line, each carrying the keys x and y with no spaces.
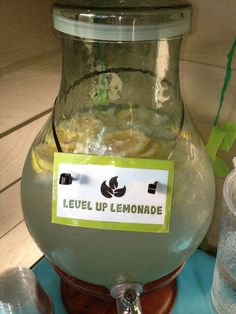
{"x":98,"y":192}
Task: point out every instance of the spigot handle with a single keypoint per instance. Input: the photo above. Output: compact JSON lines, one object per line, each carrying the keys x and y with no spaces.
{"x":127,"y":298}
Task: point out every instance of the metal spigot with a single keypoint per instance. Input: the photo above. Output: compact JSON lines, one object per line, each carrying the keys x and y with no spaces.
{"x":127,"y":297}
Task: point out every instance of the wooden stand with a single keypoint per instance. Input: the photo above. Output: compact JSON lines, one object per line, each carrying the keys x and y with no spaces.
{"x":82,"y":298}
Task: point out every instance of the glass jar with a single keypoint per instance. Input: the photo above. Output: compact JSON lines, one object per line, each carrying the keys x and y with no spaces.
{"x":120,"y":96}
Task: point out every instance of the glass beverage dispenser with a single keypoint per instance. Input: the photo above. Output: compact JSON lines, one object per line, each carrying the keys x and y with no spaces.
{"x":117,"y":188}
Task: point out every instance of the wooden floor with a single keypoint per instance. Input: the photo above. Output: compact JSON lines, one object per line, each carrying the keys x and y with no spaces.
{"x":29,"y":82}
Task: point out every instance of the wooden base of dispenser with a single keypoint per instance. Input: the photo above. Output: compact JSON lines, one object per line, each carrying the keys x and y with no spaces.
{"x":80,"y":297}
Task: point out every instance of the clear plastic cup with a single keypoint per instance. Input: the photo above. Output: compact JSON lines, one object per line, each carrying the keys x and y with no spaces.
{"x":20,"y":293}
{"x":223,"y":292}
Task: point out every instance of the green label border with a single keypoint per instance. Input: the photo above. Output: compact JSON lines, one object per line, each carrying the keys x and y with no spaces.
{"x":120,"y":162}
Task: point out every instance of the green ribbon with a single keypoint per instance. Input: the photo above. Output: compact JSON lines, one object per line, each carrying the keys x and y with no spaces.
{"x":226,"y":80}
{"x":222,"y":137}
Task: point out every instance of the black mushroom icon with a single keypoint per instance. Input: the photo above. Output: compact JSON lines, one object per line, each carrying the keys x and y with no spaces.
{"x":112,"y":189}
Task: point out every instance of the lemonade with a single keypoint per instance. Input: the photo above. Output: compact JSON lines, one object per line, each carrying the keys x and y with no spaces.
{"x":105,"y":257}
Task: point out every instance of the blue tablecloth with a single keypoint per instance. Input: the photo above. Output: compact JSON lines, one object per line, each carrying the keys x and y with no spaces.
{"x":194,"y":284}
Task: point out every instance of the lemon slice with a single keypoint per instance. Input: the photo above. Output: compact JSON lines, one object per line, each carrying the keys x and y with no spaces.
{"x":159,"y":149}
{"x":42,"y":158}
{"x":74,"y":136}
{"x":153,"y":150}
{"x":126,"y":142}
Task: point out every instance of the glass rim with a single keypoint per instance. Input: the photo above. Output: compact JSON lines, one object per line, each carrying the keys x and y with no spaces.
{"x":227,"y":188}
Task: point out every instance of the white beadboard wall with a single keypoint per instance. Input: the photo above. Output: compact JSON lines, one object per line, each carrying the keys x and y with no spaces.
{"x":29,"y":81}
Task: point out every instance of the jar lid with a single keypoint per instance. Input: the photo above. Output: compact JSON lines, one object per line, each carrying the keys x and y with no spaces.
{"x":122,"y":21}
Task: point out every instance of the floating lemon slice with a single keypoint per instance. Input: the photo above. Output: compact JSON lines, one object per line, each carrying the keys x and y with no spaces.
{"x":74,"y":136}
{"x":126,"y":142}
{"x":80,"y":134}
{"x":153,"y":150}
{"x":42,"y":158}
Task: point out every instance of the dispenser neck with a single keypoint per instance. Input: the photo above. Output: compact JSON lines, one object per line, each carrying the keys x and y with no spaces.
{"x":142,"y":73}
